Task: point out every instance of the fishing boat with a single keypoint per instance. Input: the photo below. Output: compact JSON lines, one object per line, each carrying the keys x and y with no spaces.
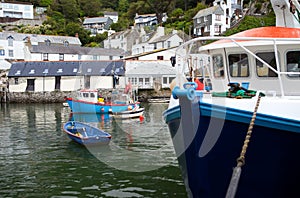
{"x":97,"y":101}
{"x":136,"y":112}
{"x":85,"y":134}
{"x":240,"y":136}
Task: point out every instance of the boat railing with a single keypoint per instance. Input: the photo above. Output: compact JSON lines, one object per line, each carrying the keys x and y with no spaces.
{"x":201,"y":46}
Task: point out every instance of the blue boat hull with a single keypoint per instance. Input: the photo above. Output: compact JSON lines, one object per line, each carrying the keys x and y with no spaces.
{"x":271,"y":163}
{"x":85,"y":134}
{"x":88,"y":107}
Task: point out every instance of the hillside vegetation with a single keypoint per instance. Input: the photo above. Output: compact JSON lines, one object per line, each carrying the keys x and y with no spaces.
{"x":65,"y":17}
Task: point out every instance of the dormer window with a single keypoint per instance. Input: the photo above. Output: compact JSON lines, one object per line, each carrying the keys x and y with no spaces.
{"x":66,"y":43}
{"x":48,"y":42}
{"x":10,"y":40}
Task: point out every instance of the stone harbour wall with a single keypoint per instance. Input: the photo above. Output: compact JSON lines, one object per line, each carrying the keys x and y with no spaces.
{"x":58,"y":96}
{"x":38,"y":97}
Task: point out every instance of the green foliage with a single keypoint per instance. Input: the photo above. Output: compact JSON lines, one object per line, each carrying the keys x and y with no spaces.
{"x":74,"y":28}
{"x":177,"y":13}
{"x":89,"y":8}
{"x":250,"y":22}
{"x":183,"y":22}
{"x":45,"y":3}
{"x":123,"y":6}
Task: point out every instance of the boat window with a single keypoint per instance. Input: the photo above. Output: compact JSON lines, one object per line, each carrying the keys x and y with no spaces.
{"x":218,"y":66}
{"x":85,"y":95}
{"x":293,"y":63}
{"x":262,"y":69}
{"x":92,"y":95}
{"x":238,"y":65}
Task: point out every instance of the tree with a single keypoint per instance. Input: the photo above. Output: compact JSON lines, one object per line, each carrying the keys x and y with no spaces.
{"x":72,"y":29}
{"x":123,"y":6}
{"x":90,"y":8}
{"x":160,"y":7}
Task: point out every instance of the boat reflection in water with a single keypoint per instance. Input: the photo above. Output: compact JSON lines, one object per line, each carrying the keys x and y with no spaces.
{"x":135,"y":143}
{"x":101,"y":121}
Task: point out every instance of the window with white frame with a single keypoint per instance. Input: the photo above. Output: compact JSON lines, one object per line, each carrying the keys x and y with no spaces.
{"x":205,"y":18}
{"x":11,"y":53}
{"x":141,"y":82}
{"x":218,"y":17}
{"x":169,"y":44}
{"x":147,"y":81}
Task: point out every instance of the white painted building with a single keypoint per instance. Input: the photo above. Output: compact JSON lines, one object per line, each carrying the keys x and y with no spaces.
{"x":113,"y":15}
{"x":158,"y":41}
{"x":161,"y":54}
{"x":97,"y":25}
{"x":14,"y":46}
{"x":40,"y":76}
{"x":21,"y":10}
{"x":122,"y":40}
{"x":150,"y":74}
{"x":142,"y":20}
{"x":215,"y":20}
{"x":42,"y":52}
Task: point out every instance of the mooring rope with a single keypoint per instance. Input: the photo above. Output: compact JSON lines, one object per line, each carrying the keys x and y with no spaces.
{"x":241,"y":160}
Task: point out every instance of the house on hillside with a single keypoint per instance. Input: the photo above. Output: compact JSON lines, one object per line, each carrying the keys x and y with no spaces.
{"x":13,"y":45}
{"x":215,"y":20}
{"x":54,"y":52}
{"x":19,"y":10}
{"x":97,"y":25}
{"x":158,"y":42}
{"x":122,"y":40}
{"x":149,"y":20}
{"x":149,"y":74}
{"x":159,"y":54}
{"x":41,"y":76}
{"x":113,"y":15}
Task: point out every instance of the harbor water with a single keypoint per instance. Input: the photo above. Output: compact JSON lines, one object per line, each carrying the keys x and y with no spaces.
{"x":37,"y":158}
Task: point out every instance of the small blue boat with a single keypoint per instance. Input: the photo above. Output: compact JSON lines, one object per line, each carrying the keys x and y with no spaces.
{"x":93,"y":101}
{"x":85,"y":134}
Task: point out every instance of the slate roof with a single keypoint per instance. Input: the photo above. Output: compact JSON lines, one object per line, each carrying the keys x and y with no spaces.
{"x":149,"y":68}
{"x":57,"y":49}
{"x":209,"y":11}
{"x":95,"y":20}
{"x":66,"y":68}
{"x":162,"y":38}
{"x":38,"y":38}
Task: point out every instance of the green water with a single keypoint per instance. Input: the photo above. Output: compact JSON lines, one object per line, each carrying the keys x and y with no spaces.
{"x":38,"y":160}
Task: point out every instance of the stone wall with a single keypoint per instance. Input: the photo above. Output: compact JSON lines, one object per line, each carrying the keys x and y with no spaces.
{"x":38,"y":97}
{"x":58,"y":96}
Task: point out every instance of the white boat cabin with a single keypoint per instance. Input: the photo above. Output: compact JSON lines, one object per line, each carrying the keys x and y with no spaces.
{"x":104,"y":96}
{"x":269,"y":65}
